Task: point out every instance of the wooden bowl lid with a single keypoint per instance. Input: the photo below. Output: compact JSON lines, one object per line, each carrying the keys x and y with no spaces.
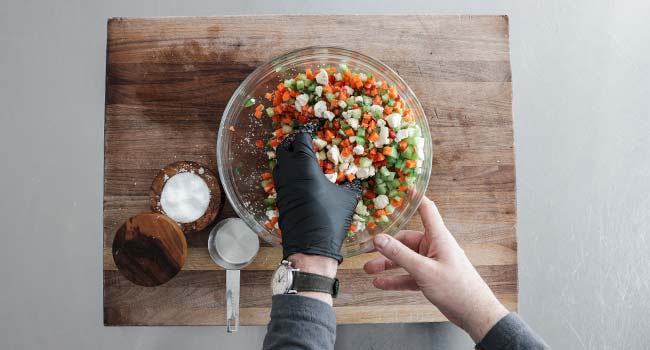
{"x":216,"y":195}
{"x":149,"y":249}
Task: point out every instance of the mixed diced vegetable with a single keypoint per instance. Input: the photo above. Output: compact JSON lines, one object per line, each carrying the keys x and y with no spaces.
{"x":368,"y":133}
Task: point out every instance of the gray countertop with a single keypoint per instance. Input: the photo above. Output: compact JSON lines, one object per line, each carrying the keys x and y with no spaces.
{"x":582,"y":142}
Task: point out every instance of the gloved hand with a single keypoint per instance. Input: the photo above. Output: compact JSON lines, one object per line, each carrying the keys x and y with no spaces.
{"x":315,"y":214}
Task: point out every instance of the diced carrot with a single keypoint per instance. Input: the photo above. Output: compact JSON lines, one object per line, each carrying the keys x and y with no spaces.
{"x":350,"y":177}
{"x":278,"y":132}
{"x":349,"y":132}
{"x":340,"y":176}
{"x":402,"y":145}
{"x":258,"y":114}
{"x":309,"y":74}
{"x":266,"y":176}
{"x":346,"y":152}
{"x":408,"y":118}
{"x":402,"y":188}
{"x":397,"y":202}
{"x":372,"y":225}
{"x":387,"y":150}
{"x":392,"y":92}
{"x":328,"y":135}
{"x":259,"y":144}
{"x":345,"y":143}
{"x":274,"y":143}
{"x":281,"y":87}
{"x":268,"y":96}
{"x":285,"y":96}
{"x":231,"y":128}
{"x":372,"y":125}
{"x":388,"y":110}
{"x":377,"y":100}
{"x":370,"y":206}
{"x":327,"y":88}
{"x":398,"y":104}
{"x":286,"y":119}
{"x":373,"y":137}
{"x":384,"y":85}
{"x":410,"y":163}
{"x":353,"y":228}
{"x":378,"y":213}
{"x":379,"y":157}
{"x":370,"y":194}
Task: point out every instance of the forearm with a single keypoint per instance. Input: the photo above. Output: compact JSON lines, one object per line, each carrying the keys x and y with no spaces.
{"x":306,"y":320}
{"x":511,"y":333}
{"x":299,"y":322}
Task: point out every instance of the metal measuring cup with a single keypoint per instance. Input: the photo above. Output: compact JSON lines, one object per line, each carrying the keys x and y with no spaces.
{"x":232,"y":245}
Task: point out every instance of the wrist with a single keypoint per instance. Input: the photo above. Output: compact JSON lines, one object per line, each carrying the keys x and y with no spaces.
{"x":483,"y":318}
{"x":320,"y":265}
{"x":316,"y":264}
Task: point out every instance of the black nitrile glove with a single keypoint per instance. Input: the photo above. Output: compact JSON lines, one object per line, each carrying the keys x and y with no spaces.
{"x":315,"y":214}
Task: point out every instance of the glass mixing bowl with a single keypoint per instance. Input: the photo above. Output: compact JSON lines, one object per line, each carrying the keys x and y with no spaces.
{"x":241,"y":163}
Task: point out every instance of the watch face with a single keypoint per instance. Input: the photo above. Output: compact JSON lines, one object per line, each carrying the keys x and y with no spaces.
{"x":282,"y":280}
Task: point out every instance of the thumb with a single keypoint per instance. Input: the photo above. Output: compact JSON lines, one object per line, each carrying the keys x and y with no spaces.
{"x":402,"y":255}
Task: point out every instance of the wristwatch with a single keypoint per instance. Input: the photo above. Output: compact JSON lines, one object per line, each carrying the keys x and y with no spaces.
{"x":289,"y":280}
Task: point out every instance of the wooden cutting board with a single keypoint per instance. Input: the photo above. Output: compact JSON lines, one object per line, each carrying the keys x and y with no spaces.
{"x":169,"y":79}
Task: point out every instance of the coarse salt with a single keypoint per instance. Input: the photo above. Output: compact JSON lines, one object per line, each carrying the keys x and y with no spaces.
{"x":185,"y":197}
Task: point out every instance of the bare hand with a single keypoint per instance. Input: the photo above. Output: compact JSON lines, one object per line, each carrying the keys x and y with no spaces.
{"x":438,"y":267}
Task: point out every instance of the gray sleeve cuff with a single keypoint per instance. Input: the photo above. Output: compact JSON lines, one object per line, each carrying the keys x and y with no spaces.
{"x":299,"y":322}
{"x":511,"y":333}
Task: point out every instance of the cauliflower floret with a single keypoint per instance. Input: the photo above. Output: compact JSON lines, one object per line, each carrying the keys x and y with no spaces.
{"x":364,"y":173}
{"x":271,"y":214}
{"x":352,"y":139}
{"x":374,"y":109}
{"x":358,"y":150}
{"x":318,"y":91}
{"x":334,"y":155}
{"x":338,"y":76}
{"x":321,"y":155}
{"x":347,"y":159}
{"x":381,"y":122}
{"x":354,"y":123}
{"x":381,"y":201}
{"x":383,"y":137}
{"x":319,"y":108}
{"x":358,"y":99}
{"x":401,"y":134}
{"x":328,"y":115}
{"x":270,"y":154}
{"x":322,"y":77}
{"x":331,"y":177}
{"x":320,"y":143}
{"x":361,"y":209}
{"x":301,"y":100}
{"x":349,"y":90}
{"x":352,"y":169}
{"x":394,"y":120}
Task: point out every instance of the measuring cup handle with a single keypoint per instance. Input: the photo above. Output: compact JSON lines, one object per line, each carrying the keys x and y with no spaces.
{"x":232,"y":300}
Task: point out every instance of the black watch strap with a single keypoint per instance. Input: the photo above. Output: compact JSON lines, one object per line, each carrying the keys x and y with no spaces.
{"x":311,"y":282}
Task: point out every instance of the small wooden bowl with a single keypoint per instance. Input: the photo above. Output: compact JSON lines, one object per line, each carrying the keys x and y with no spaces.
{"x":149,"y":249}
{"x":216,"y":195}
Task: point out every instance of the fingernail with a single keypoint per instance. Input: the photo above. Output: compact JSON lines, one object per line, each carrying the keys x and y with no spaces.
{"x":381,"y":240}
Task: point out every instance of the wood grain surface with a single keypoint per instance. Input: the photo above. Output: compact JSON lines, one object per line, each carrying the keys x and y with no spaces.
{"x":149,"y":249}
{"x":169,"y":79}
